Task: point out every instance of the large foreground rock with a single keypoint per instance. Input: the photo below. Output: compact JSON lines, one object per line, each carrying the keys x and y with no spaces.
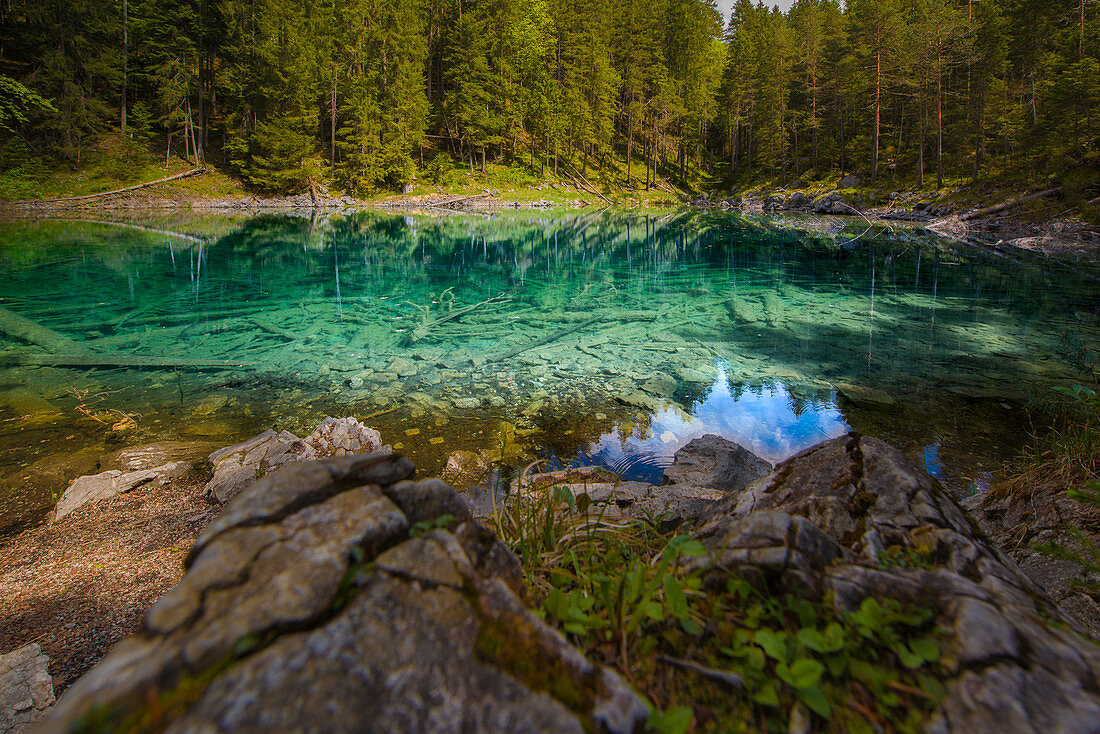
{"x":26,"y":689}
{"x":853,"y":518}
{"x":339,"y":595}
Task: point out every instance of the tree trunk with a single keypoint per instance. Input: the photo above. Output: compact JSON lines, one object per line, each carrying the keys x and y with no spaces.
{"x":978,"y":133}
{"x":629,"y":136}
{"x":125,"y":59}
{"x":878,"y":114}
{"x":920,"y":139}
{"x":813,"y":116}
{"x":332,"y":121}
{"x":939,"y":126}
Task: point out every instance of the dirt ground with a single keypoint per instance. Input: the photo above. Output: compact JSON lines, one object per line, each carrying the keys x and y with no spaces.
{"x":79,"y":585}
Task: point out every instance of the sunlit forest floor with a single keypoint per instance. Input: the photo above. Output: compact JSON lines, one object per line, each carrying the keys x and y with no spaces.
{"x":114,"y":163}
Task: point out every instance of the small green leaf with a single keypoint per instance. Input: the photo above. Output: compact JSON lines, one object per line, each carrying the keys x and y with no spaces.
{"x":814,"y":698}
{"x":674,"y":595}
{"x":926,"y":648}
{"x":773,"y":643}
{"x":690,"y":626}
{"x":673,"y":721}
{"x":766,"y":694}
{"x":908,"y":658}
{"x":583,"y":503}
{"x":806,"y":672}
{"x":692,"y":548}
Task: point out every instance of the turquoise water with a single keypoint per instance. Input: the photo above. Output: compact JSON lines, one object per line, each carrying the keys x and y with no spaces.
{"x":611,"y":338}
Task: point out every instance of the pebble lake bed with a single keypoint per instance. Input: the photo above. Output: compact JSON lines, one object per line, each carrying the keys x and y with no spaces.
{"x":609,"y":338}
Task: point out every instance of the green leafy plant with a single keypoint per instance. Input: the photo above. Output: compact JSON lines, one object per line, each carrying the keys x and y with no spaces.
{"x":426,"y":526}
{"x":1085,"y":552}
{"x":438,"y":169}
{"x":873,"y":662}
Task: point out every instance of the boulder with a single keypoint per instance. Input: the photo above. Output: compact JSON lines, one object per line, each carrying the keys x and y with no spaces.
{"x":774,"y":202}
{"x":799,"y":200}
{"x":238,"y":466}
{"x":850,"y":181}
{"x":151,"y":455}
{"x":830,"y":523}
{"x":714,"y":463}
{"x":341,"y":436}
{"x":831,"y":203}
{"x":111,"y":483}
{"x":338,"y":595}
{"x":671,"y":506}
{"x":26,"y":688}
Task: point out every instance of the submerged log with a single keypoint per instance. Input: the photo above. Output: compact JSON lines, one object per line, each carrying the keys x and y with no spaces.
{"x":546,"y":340}
{"x":114,"y":360}
{"x":23,"y":328}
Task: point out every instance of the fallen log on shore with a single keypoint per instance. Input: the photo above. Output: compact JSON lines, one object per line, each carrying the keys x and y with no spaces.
{"x":1011,"y":203}
{"x":89,"y":197}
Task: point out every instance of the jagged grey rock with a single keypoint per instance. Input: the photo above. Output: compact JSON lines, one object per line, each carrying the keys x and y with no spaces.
{"x":820,"y":525}
{"x":715,"y":463}
{"x":238,"y":466}
{"x":26,"y":688}
{"x":340,"y":436}
{"x":307,"y":606}
{"x":104,"y":485}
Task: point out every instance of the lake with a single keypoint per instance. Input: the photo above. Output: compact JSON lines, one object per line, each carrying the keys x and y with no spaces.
{"x":609,"y":338}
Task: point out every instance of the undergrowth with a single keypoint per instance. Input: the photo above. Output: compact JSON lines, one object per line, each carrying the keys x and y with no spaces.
{"x":710,"y":651}
{"x":1067,"y":459}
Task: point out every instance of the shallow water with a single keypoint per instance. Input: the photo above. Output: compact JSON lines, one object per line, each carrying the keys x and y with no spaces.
{"x":611,"y":338}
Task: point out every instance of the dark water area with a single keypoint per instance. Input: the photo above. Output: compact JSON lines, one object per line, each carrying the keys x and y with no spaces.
{"x":611,"y":338}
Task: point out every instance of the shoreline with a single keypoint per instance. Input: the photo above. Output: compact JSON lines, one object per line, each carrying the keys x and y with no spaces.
{"x":1061,"y":237}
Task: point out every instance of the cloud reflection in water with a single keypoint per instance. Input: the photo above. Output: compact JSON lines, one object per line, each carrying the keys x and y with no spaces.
{"x":764,"y":421}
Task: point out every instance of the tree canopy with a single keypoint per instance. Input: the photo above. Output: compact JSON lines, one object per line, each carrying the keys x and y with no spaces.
{"x":364,"y":91}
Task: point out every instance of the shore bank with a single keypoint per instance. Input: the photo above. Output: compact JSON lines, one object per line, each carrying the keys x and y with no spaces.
{"x":939,"y":583}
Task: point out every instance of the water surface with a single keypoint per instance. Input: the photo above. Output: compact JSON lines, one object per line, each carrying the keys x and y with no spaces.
{"x":611,"y":338}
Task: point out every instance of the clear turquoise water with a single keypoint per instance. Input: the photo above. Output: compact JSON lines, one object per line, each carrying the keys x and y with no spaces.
{"x":611,"y":338}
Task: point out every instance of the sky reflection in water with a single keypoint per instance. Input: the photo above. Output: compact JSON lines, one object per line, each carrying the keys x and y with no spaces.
{"x":765,"y":421}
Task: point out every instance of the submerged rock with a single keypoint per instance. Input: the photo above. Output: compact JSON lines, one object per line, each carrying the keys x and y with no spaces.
{"x":113,"y":482}
{"x":340,"y":436}
{"x":26,"y":688}
{"x":307,"y":606}
{"x":853,"y":519}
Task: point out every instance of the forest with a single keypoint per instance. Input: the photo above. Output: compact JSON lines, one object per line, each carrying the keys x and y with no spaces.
{"x":372,"y":93}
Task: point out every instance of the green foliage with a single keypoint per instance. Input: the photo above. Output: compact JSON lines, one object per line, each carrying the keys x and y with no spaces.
{"x":888,"y":88}
{"x":674,"y":721}
{"x":1083,"y":551}
{"x":789,"y":649}
{"x":438,"y":170}
{"x":426,"y":526}
{"x":631,"y":597}
{"x":18,"y":103}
